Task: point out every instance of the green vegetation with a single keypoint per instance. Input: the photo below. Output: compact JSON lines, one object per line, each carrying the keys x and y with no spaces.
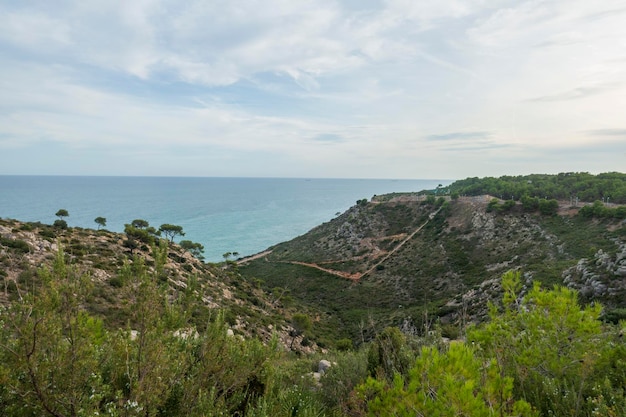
{"x":96,"y":329}
{"x":571,"y":186}
{"x":559,"y":355}
{"x":600,"y":210}
{"x":196,"y":249}
{"x":444,"y":382}
{"x":57,"y":359}
{"x":171,"y":231}
{"x":540,"y":354}
{"x":450,"y":263}
{"x":15,"y":245}
{"x":100,"y":221}
{"x":137,"y":238}
{"x":60,"y":224}
{"x":140,"y":223}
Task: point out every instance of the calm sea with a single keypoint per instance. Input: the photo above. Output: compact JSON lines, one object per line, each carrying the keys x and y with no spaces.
{"x":244,"y":215}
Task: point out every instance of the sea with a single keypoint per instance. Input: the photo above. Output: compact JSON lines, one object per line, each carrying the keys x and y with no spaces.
{"x":244,"y":215}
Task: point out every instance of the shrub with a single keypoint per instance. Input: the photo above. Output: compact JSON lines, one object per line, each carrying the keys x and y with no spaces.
{"x":60,"y":224}
{"x":344,"y":345}
{"x":552,"y":347}
{"x":18,"y":246}
{"x":451,"y":383}
{"x":388,"y":354}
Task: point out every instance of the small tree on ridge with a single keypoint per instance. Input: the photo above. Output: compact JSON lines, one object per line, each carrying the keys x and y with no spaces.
{"x":101,"y":222}
{"x":171,"y":231}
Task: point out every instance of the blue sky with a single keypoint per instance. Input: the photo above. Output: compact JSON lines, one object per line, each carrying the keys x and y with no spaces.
{"x":282,"y":88}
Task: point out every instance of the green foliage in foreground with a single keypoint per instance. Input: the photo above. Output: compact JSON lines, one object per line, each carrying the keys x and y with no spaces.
{"x":561,"y":358}
{"x":454,"y":382}
{"x":57,"y":360}
{"x":540,"y":354}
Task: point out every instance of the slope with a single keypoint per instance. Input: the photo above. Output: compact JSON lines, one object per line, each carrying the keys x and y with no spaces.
{"x":412,"y":260}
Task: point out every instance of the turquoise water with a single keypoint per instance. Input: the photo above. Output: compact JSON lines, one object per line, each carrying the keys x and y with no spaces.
{"x":244,"y":215}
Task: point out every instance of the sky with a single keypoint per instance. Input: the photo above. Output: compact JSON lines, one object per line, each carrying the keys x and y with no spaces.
{"x":414,"y":89}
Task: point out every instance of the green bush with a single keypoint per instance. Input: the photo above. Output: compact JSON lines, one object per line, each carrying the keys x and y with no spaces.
{"x":454,"y":382}
{"x":17,"y":245}
{"x":60,"y":224}
{"x":389,"y":354}
{"x":553,"y":349}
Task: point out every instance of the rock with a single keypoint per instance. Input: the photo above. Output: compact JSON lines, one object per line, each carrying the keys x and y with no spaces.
{"x":186,"y":333}
{"x":323,"y":366}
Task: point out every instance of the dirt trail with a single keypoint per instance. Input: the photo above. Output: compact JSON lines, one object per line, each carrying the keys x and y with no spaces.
{"x":253,"y":257}
{"x":358,"y":275}
{"x":409,"y":237}
{"x":353,"y":277}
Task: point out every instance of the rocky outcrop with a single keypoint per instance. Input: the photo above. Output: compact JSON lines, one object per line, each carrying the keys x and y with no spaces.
{"x":603,"y":276}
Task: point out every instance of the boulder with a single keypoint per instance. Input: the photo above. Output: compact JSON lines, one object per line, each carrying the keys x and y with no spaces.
{"x":323,"y":366}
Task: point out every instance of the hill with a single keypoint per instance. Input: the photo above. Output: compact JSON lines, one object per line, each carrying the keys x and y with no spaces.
{"x":410,"y":260}
{"x":101,"y":323}
{"x":111,"y":264}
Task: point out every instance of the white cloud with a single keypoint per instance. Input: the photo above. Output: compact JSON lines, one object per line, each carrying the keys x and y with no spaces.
{"x":347,"y":84}
{"x":34,"y":31}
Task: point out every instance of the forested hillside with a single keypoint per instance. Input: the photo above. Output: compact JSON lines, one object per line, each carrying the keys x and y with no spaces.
{"x":571,"y":186}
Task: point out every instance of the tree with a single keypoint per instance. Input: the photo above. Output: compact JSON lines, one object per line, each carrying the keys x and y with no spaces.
{"x":196,"y":249}
{"x":171,"y":231}
{"x":140,"y":223}
{"x":135,"y":236}
{"x":301,"y":323}
{"x":59,"y":224}
{"x":62,"y":213}
{"x":548,"y":207}
{"x":101,"y":222}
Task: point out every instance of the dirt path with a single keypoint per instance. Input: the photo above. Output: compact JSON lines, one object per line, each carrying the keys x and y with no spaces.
{"x":353,"y":277}
{"x":358,"y":275}
{"x":253,"y":257}
{"x":409,"y":237}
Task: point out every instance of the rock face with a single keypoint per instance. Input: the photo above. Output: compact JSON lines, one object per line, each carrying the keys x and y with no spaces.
{"x":603,"y":276}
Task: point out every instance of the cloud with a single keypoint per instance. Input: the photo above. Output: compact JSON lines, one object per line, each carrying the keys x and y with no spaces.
{"x":577,"y":93}
{"x":328,"y":138}
{"x":475,"y":146}
{"x":607,"y":132}
{"x":34,"y":30}
{"x":395,"y":86}
{"x":459,"y":136}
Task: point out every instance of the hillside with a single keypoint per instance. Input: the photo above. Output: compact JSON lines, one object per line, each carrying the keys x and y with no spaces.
{"x":111,"y":265}
{"x":354,"y":318}
{"x":412,"y":260}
